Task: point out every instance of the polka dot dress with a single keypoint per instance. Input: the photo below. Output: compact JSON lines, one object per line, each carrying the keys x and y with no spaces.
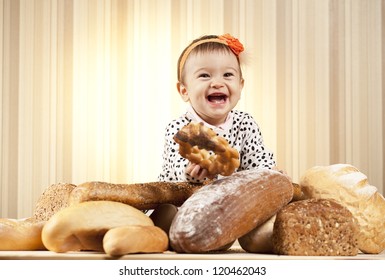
{"x":244,"y":135}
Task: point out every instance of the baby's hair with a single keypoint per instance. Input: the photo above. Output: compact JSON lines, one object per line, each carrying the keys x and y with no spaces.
{"x":204,"y":44}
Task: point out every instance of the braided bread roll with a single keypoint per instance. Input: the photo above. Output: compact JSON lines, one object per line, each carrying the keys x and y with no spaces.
{"x":196,"y":140}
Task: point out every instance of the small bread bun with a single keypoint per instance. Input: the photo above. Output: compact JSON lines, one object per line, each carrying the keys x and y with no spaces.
{"x":135,"y":239}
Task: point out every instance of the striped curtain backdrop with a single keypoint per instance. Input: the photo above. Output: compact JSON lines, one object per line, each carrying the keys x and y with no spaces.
{"x":88,"y":86}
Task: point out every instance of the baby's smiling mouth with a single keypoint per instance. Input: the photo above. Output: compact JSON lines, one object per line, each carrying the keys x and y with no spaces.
{"x":217,"y":98}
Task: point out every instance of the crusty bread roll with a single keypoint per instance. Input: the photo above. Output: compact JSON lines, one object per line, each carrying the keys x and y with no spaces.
{"x":25,"y":234}
{"x":135,"y":239}
{"x":21,"y":235}
{"x":142,"y":196}
{"x":315,"y":227}
{"x":258,"y":240}
{"x":54,"y":198}
{"x":82,"y":226}
{"x":346,"y":184}
{"x":228,"y":208}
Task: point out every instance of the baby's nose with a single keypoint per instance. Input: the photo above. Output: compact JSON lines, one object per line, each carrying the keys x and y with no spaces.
{"x":216,"y":83}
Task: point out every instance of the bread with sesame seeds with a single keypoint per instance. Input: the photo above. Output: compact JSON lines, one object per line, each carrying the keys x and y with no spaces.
{"x":53,"y":198}
{"x":143,"y":196}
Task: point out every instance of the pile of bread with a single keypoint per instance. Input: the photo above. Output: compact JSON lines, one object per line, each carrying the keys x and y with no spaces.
{"x":332,"y":211}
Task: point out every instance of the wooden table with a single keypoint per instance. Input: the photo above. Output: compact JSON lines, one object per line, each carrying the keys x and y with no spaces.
{"x":234,"y":253}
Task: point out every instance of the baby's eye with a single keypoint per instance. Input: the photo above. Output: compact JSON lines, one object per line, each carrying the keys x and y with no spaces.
{"x":228,"y":74}
{"x":204,"y":75}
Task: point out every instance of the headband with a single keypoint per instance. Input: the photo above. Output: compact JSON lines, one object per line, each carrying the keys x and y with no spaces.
{"x":226,"y":39}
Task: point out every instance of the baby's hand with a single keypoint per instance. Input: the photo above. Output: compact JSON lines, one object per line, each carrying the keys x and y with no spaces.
{"x":196,"y":171}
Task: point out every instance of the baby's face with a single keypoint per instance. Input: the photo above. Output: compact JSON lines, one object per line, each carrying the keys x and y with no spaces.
{"x":212,"y":84}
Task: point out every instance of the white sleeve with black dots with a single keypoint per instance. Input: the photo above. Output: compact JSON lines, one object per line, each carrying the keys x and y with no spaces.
{"x":174,"y":165}
{"x":247,"y":138}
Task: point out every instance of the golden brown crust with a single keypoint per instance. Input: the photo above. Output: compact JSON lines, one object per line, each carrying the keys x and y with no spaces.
{"x":82,"y":226}
{"x":298,"y":193}
{"x":196,"y":140}
{"x":315,"y":227}
{"x":225,"y":210}
{"x":142,"y":196}
{"x":135,"y":239}
{"x":21,"y":235}
{"x":25,"y":234}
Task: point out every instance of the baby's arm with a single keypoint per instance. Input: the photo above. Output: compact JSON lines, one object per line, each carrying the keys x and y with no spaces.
{"x":173,"y":165}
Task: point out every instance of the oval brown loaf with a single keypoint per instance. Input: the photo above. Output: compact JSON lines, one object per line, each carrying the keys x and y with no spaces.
{"x":142,"y":196}
{"x":228,"y":208}
{"x":351,"y":188}
{"x":315,"y":227}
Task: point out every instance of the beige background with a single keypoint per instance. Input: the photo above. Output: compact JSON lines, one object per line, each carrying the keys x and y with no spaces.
{"x":87,"y":87}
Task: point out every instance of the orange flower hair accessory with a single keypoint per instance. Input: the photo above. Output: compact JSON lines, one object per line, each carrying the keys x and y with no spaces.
{"x":233,"y":43}
{"x":226,"y":39}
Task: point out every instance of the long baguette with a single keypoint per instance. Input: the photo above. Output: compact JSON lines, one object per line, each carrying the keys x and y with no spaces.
{"x":142,"y":196}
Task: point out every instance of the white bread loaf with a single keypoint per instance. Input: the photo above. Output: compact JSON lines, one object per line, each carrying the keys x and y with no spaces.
{"x":82,"y":226}
{"x":347,"y":185}
{"x":25,"y":234}
{"x":21,"y":235}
